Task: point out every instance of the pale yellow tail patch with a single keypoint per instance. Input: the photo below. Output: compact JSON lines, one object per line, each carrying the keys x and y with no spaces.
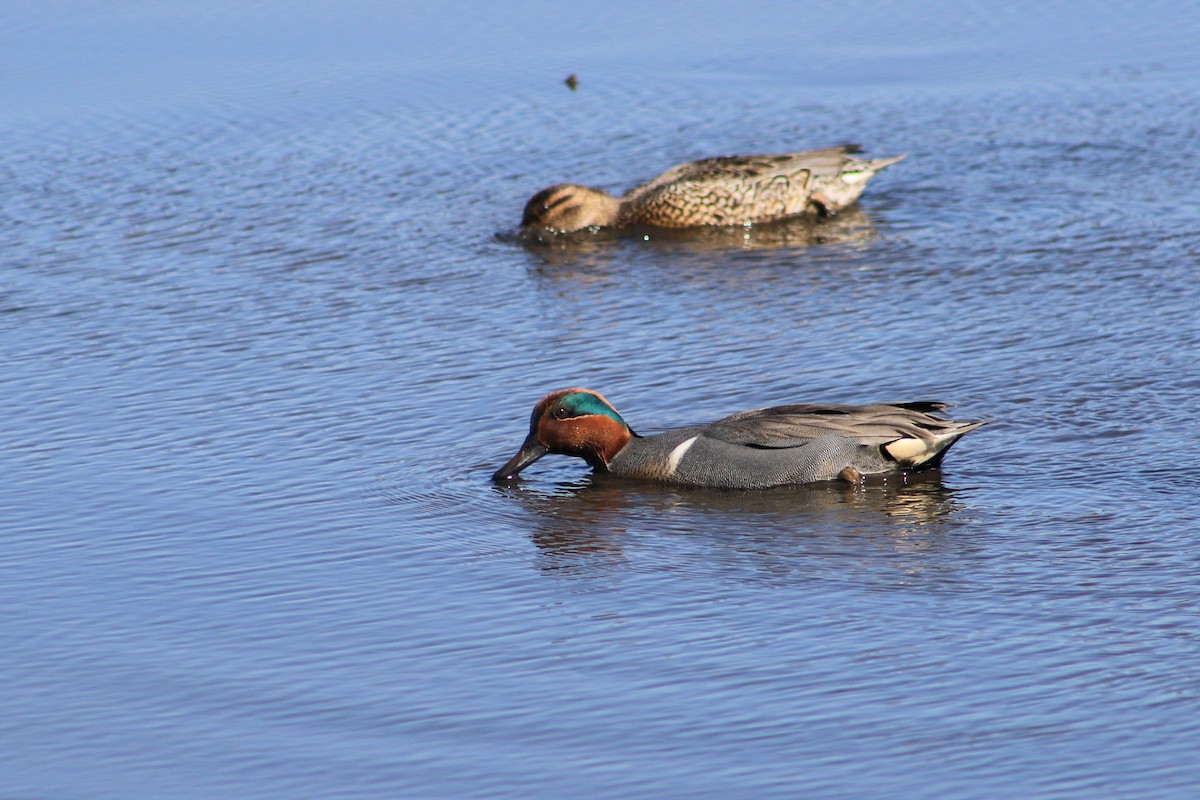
{"x":910,"y":451}
{"x":678,"y":453}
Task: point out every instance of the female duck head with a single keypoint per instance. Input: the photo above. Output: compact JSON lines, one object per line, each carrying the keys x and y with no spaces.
{"x":572,"y":422}
{"x":567,"y":207}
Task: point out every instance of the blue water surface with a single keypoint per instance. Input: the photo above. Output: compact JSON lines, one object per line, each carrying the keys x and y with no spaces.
{"x":265,"y":334}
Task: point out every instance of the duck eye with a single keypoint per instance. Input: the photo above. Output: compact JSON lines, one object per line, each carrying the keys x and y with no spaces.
{"x":561,"y":413}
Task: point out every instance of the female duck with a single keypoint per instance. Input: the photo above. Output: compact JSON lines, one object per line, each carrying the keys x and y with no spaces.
{"x":750,"y":450}
{"x":733,"y":190}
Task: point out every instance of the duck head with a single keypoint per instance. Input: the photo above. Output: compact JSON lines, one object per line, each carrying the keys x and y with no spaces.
{"x":567,"y":207}
{"x":572,"y":422}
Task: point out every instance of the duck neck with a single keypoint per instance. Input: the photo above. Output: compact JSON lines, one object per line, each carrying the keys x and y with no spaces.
{"x":606,"y":441}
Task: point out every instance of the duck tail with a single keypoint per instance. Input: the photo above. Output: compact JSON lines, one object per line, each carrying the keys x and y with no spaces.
{"x":919,"y":454}
{"x":880,"y":163}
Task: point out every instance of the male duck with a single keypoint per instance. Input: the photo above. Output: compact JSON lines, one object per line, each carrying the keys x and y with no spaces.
{"x":750,"y":450}
{"x":733,"y":190}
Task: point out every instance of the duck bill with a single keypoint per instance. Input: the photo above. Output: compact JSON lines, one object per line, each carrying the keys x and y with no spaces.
{"x":530,"y":452}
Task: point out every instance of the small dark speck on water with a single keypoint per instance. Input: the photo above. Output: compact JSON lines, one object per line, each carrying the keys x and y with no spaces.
{"x":572,"y":82}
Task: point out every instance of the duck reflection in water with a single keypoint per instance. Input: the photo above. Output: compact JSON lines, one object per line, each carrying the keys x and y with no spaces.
{"x":602,"y":523}
{"x":853,"y":228}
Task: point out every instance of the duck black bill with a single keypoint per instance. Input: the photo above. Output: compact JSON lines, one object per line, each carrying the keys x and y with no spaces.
{"x":530,"y":452}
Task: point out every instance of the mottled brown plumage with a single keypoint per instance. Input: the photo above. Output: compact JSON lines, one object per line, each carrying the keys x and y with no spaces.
{"x":729,"y":190}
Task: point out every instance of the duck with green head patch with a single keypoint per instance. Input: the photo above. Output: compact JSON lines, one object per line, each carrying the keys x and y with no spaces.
{"x":755,"y":449}
{"x":727,"y":190}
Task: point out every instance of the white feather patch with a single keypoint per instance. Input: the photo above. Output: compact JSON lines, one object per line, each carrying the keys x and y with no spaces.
{"x":910,"y":451}
{"x":678,"y":453}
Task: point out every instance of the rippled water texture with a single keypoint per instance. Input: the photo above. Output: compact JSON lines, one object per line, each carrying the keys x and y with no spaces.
{"x":265,"y":335}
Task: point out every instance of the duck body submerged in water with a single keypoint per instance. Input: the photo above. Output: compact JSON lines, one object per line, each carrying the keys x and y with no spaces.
{"x":728,"y":190}
{"x":756,"y":449}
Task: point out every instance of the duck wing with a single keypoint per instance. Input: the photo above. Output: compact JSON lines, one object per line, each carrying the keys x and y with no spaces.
{"x":730,"y":190}
{"x":744,"y":169}
{"x":797,"y":425}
